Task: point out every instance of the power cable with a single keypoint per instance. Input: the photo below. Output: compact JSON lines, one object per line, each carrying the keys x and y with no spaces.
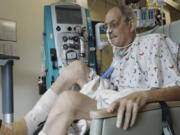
{"x":93,"y":5}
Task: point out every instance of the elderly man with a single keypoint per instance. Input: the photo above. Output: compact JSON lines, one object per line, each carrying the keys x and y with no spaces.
{"x":145,"y":70}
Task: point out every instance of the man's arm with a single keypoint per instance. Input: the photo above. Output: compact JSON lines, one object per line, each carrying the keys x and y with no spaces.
{"x":162,"y":72}
{"x":164,"y":94}
{"x":128,"y":106}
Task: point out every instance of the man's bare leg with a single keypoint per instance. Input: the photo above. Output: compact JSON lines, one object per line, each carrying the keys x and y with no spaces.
{"x":76,"y":73}
{"x":70,"y":106}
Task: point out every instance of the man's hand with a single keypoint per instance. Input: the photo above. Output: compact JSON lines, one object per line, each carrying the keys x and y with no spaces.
{"x":127,"y":108}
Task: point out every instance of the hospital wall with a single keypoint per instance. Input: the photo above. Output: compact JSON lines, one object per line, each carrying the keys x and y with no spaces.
{"x":29,"y":17}
{"x":98,"y":12}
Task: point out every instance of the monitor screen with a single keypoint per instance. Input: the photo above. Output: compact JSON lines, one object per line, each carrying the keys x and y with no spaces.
{"x":68,"y":15}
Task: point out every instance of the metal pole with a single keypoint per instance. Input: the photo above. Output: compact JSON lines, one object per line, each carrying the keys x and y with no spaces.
{"x":101,"y":62}
{"x":7,"y":92}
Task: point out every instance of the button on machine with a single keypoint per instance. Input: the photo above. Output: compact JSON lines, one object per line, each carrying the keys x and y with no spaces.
{"x":76,"y":46}
{"x":58,"y":28}
{"x":69,"y":28}
{"x":75,"y":39}
{"x":65,"y":46}
{"x":65,"y":38}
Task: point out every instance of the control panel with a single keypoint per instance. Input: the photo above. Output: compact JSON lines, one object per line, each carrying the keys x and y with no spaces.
{"x":67,"y":36}
{"x":70,"y":33}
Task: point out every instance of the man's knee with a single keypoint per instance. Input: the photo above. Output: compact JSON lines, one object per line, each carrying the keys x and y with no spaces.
{"x":76,"y":68}
{"x":77,"y":71}
{"x":79,"y":66}
{"x":72,"y":99}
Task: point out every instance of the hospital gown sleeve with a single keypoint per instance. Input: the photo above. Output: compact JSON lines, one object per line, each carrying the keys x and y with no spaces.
{"x":162,"y":63}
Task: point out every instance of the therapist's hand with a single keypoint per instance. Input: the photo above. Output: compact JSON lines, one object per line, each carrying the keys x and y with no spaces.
{"x":127,"y":108}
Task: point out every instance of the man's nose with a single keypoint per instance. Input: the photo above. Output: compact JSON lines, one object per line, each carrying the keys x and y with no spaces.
{"x":109,"y":30}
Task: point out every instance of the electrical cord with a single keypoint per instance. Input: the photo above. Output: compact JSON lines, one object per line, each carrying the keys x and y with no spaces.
{"x":93,"y":5}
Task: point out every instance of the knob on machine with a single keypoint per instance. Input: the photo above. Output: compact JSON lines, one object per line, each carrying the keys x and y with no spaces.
{"x":65,"y":38}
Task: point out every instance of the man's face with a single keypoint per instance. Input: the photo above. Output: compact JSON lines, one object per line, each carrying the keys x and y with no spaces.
{"x":117,"y":28}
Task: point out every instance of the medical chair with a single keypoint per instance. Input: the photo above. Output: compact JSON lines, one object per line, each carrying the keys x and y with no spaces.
{"x":149,"y":120}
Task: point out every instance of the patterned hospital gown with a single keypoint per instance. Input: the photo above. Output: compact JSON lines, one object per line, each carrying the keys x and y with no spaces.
{"x":149,"y":63}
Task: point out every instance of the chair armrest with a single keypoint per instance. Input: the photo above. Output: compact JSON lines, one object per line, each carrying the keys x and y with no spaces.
{"x":102,"y":113}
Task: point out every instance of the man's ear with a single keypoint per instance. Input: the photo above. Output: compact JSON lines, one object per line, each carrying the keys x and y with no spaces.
{"x":132,"y":24}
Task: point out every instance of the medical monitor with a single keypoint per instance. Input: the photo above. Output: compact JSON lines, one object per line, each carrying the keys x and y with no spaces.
{"x":66,"y":15}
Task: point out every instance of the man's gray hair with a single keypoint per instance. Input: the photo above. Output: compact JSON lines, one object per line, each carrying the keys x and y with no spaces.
{"x":127,"y":13}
